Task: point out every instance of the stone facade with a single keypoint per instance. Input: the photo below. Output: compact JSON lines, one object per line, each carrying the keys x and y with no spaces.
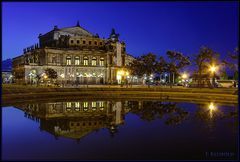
{"x":75,"y":54}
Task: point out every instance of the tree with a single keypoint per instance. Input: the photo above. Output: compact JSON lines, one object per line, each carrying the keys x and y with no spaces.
{"x":51,"y":73}
{"x":177,"y":62}
{"x":161,"y":66}
{"x":145,"y":64}
{"x":203,"y":59}
{"x":224,"y":75}
{"x":231,"y":62}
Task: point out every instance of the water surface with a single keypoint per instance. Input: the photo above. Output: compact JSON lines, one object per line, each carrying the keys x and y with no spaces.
{"x":108,"y":130}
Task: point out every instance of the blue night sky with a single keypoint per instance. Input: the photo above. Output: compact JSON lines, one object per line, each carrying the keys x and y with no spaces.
{"x":144,"y":26}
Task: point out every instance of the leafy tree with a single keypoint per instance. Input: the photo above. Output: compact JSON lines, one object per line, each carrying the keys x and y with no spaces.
{"x":177,"y":62}
{"x":51,"y":73}
{"x":145,"y":64}
{"x":224,"y":75}
{"x":235,"y":76}
{"x":231,"y":62}
{"x":203,"y":59}
{"x":161,"y":66}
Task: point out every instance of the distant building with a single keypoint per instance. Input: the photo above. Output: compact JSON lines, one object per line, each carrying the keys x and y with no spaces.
{"x":75,"y":54}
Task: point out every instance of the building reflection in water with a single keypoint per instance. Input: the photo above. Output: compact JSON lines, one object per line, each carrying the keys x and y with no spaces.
{"x":76,"y":119}
{"x":79,"y":118}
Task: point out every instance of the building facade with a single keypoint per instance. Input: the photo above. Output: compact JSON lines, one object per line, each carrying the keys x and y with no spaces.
{"x":76,"y":55}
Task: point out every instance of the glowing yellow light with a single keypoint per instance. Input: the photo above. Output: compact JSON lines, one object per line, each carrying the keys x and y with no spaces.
{"x":62,"y":75}
{"x":184,"y":76}
{"x":45,"y":76}
{"x":211,"y":106}
{"x":127,"y":73}
{"x":119,"y":77}
{"x":213,"y":68}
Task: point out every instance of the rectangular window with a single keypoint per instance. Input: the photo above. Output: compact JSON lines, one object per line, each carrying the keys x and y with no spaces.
{"x":68,"y":60}
{"x":94,"y":62}
{"x":54,"y":59}
{"x":85,"y":62}
{"x":77,"y":61}
{"x":77,"y":104}
{"x":94,"y":104}
{"x":101,"y":104}
{"x":69,"y":104}
{"x":100,"y":43}
{"x":84,"y":42}
{"x":90,"y":42}
{"x":85,"y":104}
{"x":77,"y":41}
{"x":101,"y":63}
{"x":95,"y":42}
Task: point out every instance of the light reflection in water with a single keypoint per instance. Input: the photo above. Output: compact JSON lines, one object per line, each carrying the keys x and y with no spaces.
{"x":212,"y":108}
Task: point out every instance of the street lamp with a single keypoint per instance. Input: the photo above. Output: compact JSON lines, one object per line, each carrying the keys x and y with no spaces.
{"x":213,"y":69}
{"x":62,"y":76}
{"x":184,"y":77}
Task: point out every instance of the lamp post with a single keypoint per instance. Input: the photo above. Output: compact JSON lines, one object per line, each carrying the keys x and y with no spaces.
{"x":62,"y":76}
{"x":213,"y":70}
{"x":45,"y":77}
{"x":184,"y":77}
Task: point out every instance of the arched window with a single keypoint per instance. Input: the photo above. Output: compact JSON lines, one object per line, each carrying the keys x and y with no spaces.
{"x":101,"y":63}
{"x":68,"y":60}
{"x":77,"y":60}
{"x":94,"y":61}
{"x":85,"y":60}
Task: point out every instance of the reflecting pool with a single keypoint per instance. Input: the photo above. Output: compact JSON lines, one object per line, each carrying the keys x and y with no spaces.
{"x":119,"y":129}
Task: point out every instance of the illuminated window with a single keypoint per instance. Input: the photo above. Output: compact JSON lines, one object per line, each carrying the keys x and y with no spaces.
{"x":77,"y":60}
{"x":85,"y":61}
{"x":94,"y":61}
{"x":85,"y":104}
{"x":68,"y":59}
{"x":101,"y":63}
{"x":94,"y":104}
{"x":77,"y":104}
{"x":101,"y":104}
{"x":101,"y":107}
{"x":69,"y":104}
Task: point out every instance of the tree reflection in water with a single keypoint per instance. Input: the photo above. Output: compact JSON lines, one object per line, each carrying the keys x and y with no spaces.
{"x":151,"y":110}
